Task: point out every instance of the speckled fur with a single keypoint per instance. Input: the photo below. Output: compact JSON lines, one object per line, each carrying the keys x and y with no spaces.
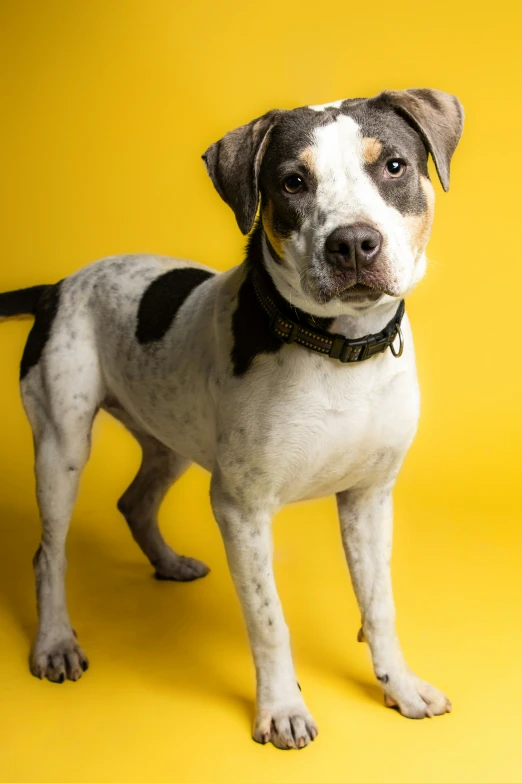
{"x":295,"y":425}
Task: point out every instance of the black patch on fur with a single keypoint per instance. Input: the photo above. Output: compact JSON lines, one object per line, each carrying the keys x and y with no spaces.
{"x":250,"y":323}
{"x":293,"y":133}
{"x":45,"y":313}
{"x":163,"y":298}
{"x":250,"y":330}
{"x":379,"y":120}
{"x":21,"y":302}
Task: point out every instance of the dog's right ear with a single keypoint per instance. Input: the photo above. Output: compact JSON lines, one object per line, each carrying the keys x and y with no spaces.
{"x":233,"y":165}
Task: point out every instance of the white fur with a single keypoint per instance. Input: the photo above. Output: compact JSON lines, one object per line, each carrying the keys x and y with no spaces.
{"x":323,"y":106}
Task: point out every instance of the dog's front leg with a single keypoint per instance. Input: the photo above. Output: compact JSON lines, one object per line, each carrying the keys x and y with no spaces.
{"x":281,"y":716}
{"x":366,"y":524}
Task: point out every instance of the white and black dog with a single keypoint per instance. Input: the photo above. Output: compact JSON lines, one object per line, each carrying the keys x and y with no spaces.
{"x":290,"y":376}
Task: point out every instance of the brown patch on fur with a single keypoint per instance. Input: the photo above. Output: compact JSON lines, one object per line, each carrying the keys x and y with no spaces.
{"x":308,"y":158}
{"x":268,"y":225}
{"x":429,"y":193}
{"x":371,"y":149}
{"x":419,"y":226}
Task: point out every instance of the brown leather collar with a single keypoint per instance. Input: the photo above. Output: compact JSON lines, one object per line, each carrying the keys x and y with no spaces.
{"x":334,"y":345}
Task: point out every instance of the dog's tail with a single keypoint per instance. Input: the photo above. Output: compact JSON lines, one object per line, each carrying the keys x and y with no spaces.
{"x":21,"y":302}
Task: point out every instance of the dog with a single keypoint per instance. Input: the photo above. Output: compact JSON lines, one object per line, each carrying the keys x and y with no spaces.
{"x":288,"y":377}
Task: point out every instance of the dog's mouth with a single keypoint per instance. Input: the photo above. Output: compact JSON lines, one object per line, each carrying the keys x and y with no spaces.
{"x":360,"y":291}
{"x":344,"y":288}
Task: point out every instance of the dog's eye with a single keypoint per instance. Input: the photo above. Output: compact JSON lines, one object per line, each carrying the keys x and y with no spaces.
{"x":294,"y":184}
{"x":394,"y":168}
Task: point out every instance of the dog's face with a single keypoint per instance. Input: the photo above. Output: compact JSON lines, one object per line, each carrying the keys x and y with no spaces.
{"x":346,"y":201}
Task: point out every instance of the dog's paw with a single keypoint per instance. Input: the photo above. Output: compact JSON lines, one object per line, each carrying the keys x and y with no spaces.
{"x":180,"y":569}
{"x":58,"y":661}
{"x":415,"y":698}
{"x":286,"y":727}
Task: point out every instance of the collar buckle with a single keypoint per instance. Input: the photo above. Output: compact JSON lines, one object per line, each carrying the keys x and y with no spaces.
{"x":348,"y":350}
{"x":359,"y":350}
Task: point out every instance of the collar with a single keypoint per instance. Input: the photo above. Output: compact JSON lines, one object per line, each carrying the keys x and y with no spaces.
{"x":319,"y":340}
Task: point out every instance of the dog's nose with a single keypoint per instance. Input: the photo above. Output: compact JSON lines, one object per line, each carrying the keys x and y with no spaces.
{"x":354,"y":246}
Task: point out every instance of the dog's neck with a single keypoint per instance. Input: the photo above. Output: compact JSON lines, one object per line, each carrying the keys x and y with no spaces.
{"x":261,"y":263}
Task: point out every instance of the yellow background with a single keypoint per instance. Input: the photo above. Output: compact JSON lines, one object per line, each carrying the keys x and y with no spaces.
{"x":106,"y":109}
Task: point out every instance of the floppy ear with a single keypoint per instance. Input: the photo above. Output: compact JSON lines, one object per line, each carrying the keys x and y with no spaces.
{"x":233,"y":165}
{"x":438,"y":117}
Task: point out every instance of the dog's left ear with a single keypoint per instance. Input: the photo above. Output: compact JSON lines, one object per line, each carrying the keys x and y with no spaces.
{"x":233,"y":165}
{"x":438,"y":117}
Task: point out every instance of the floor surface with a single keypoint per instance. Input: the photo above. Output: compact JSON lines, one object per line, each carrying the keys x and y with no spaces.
{"x":169,"y":694}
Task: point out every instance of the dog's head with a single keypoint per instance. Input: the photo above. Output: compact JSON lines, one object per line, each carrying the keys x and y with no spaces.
{"x":346,"y":200}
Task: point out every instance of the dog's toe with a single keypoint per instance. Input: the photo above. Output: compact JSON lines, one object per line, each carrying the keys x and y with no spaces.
{"x":59,"y":661}
{"x":285,"y":727}
{"x":415,"y":698}
{"x":181,"y":569}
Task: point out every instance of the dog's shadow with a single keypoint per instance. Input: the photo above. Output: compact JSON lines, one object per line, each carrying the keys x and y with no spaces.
{"x":180,"y":636}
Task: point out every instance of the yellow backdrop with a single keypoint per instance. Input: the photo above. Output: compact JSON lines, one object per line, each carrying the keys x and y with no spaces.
{"x":106,"y":109}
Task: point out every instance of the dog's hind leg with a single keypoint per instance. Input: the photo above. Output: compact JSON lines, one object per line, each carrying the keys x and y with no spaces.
{"x":60,"y":396}
{"x":159,"y":469}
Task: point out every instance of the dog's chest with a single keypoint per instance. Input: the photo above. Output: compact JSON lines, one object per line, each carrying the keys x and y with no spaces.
{"x":328,"y":426}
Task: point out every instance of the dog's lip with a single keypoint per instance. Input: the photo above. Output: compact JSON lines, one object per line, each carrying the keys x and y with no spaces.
{"x":360,"y":291}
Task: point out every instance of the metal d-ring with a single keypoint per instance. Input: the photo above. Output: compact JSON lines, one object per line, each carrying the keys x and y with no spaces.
{"x":401,"y":343}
